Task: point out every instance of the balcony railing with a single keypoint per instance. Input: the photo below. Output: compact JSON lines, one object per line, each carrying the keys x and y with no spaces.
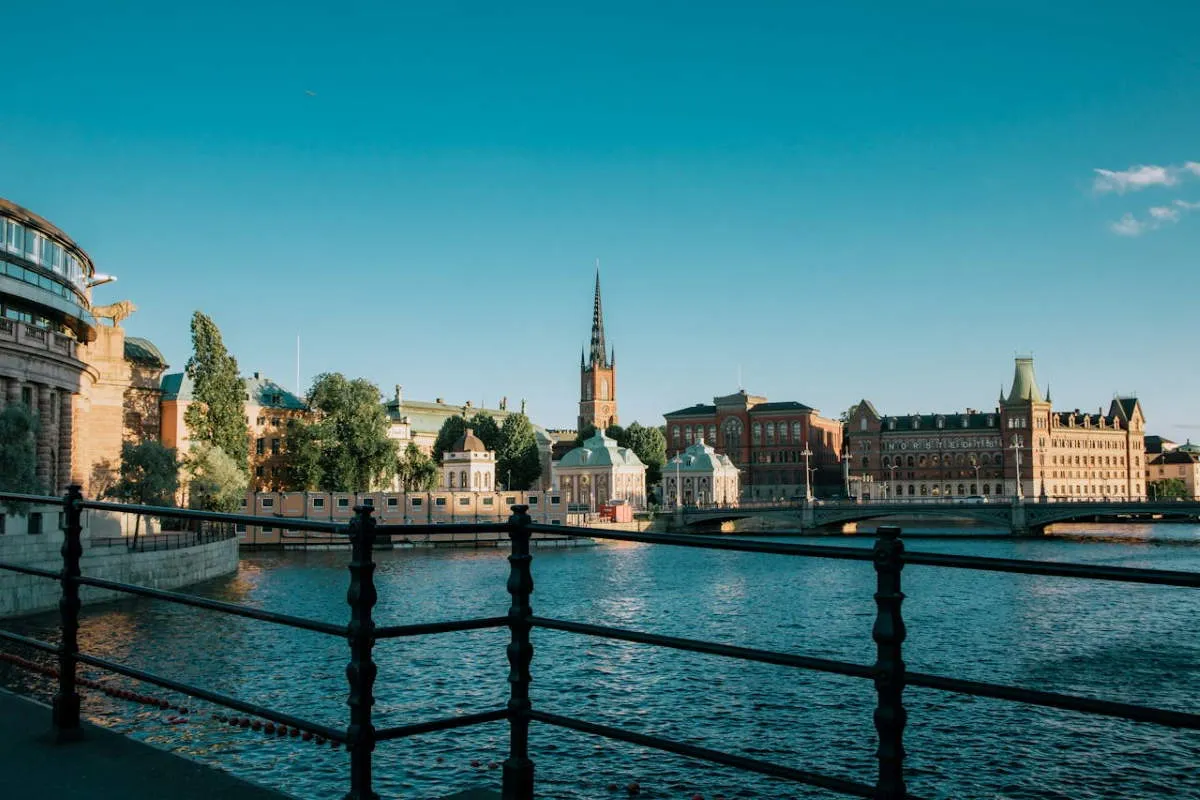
{"x":888,"y":673}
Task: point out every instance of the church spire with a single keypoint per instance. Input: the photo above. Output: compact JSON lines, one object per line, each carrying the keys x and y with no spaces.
{"x":599,"y":356}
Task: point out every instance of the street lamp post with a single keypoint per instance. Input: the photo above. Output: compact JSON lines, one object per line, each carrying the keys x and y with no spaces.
{"x":807,"y":474}
{"x":892,"y":483}
{"x":977,"y":489}
{"x":1016,"y":448}
{"x":678,"y":483}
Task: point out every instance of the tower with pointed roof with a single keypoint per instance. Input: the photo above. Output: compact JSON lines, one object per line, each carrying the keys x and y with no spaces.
{"x":597,"y":374}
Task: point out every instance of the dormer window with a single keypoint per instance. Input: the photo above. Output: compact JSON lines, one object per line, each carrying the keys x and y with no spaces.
{"x":965,"y":420}
{"x":891,"y":424}
{"x":941,"y":422}
{"x":916,"y":422}
{"x":990,"y":420}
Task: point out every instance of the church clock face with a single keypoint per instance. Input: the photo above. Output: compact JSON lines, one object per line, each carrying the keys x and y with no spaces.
{"x":605,"y":409}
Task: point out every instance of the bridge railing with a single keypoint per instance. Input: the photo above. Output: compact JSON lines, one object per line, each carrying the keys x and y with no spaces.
{"x":887,"y":673}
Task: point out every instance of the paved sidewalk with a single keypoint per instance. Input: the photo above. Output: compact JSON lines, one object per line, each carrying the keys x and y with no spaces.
{"x":109,"y":766}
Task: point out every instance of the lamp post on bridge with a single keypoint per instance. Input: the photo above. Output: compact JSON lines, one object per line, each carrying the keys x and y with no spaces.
{"x":807,"y":474}
{"x":892,"y":483}
{"x":1016,"y":448}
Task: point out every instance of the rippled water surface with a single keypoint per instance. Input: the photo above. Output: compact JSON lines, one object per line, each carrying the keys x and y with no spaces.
{"x":1129,"y":642}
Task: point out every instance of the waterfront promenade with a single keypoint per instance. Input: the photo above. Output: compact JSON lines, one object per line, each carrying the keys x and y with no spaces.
{"x":106,"y":765}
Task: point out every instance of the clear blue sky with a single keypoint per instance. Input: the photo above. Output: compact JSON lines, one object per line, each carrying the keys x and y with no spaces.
{"x":842,"y":200}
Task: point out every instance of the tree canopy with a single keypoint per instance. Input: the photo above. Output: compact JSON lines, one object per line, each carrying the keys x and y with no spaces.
{"x":218,"y":415}
{"x":346,"y":448}
{"x":18,"y":454}
{"x":1168,"y":488}
{"x":149,"y":476}
{"x":518,"y":463}
{"x":215,"y":482}
{"x":453,"y":428}
{"x":650,"y":445}
{"x":417,"y":471}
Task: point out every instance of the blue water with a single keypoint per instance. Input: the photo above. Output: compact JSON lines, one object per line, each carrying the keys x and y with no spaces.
{"x":1128,"y":642}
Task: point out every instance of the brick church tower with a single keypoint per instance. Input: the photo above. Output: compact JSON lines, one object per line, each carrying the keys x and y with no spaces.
{"x":597,"y":375}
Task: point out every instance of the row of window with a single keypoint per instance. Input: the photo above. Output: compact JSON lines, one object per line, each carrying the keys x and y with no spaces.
{"x":275,"y":421}
{"x":947,"y":490}
{"x":34,"y":278}
{"x":760,"y":432}
{"x":1093,"y":460}
{"x":1090,"y":444}
{"x":33,"y":523}
{"x":939,"y":422}
{"x":318,"y":503}
{"x":949,"y":443}
{"x":1076,"y":489}
{"x":947,"y":459}
{"x":260,"y":447}
{"x":481,"y":480}
{"x":33,"y":246}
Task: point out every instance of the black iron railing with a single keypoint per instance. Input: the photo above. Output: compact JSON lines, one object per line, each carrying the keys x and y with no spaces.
{"x":360,"y":736}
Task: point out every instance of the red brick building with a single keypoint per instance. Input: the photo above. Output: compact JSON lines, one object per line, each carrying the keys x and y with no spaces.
{"x":766,"y":441}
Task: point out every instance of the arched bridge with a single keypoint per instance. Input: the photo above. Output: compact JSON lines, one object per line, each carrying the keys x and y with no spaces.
{"x":1021,"y":517}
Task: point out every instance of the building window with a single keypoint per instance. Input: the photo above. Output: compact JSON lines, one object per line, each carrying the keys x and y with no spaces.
{"x":318,"y":502}
{"x":369,"y":502}
{"x":267,"y":502}
{"x":554,"y":500}
{"x":512,"y":501}
{"x":687,"y":434}
{"x":343,"y":502}
{"x":464,"y":501}
{"x":35,"y":523}
{"x":260,"y":446}
{"x":274,"y":447}
{"x":756,"y":434}
{"x":488,"y":501}
{"x":416,"y":502}
{"x":770,"y":433}
{"x":676,"y":437}
{"x":392,"y":502}
{"x":2,"y":524}
{"x":439,"y":501}
{"x":712,"y":434}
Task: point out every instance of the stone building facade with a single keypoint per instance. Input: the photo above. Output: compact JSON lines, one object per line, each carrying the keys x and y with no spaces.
{"x":599,"y":472}
{"x":45,"y":320}
{"x":468,"y":466}
{"x":143,"y":397}
{"x":1180,"y":462}
{"x":766,"y":441}
{"x":700,"y":476}
{"x":1021,"y":448}
{"x":269,"y":407}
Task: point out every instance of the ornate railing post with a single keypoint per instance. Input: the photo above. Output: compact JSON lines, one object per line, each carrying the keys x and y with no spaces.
{"x":889,"y":633}
{"x":518,"y":769}
{"x":360,"y":672}
{"x":66,"y":700}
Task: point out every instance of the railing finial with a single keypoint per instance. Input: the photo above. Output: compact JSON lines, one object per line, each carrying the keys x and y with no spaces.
{"x":66,"y":700}
{"x":889,"y":634}
{"x":361,"y":671}
{"x":518,"y":768}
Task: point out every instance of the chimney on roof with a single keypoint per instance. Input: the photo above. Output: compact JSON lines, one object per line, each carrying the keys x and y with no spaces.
{"x":439,"y":401}
{"x":256,"y":376}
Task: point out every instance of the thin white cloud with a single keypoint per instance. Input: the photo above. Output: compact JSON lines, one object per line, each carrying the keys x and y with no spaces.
{"x":1127,"y":226}
{"x":1135,"y":178}
{"x":1157,"y":217}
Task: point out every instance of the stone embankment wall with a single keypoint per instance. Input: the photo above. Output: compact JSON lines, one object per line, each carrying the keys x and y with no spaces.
{"x":163,"y":569}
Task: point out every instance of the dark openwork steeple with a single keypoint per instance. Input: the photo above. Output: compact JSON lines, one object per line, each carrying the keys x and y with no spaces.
{"x":598,"y":376}
{"x":599,"y":356}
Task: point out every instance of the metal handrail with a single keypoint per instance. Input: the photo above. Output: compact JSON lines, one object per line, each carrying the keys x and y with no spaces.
{"x":889,"y":674}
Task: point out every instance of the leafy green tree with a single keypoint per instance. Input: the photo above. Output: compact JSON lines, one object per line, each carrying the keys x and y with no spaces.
{"x":454,"y":427}
{"x":218,"y":415}
{"x":650,"y":445}
{"x":417,"y":471}
{"x":1168,"y":488}
{"x":215,"y":481}
{"x":346,"y":449}
{"x":517,"y":461}
{"x":18,"y":455}
{"x":149,"y":476}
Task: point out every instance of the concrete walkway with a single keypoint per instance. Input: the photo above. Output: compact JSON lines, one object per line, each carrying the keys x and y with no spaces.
{"x":109,"y":766}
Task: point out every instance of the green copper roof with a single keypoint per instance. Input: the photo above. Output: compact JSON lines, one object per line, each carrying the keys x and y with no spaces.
{"x":269,"y":394}
{"x":143,"y":351}
{"x":1024,"y":386}
{"x":600,"y":451}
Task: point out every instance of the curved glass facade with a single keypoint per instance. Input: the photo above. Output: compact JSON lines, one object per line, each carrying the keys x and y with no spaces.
{"x":43,"y":264}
